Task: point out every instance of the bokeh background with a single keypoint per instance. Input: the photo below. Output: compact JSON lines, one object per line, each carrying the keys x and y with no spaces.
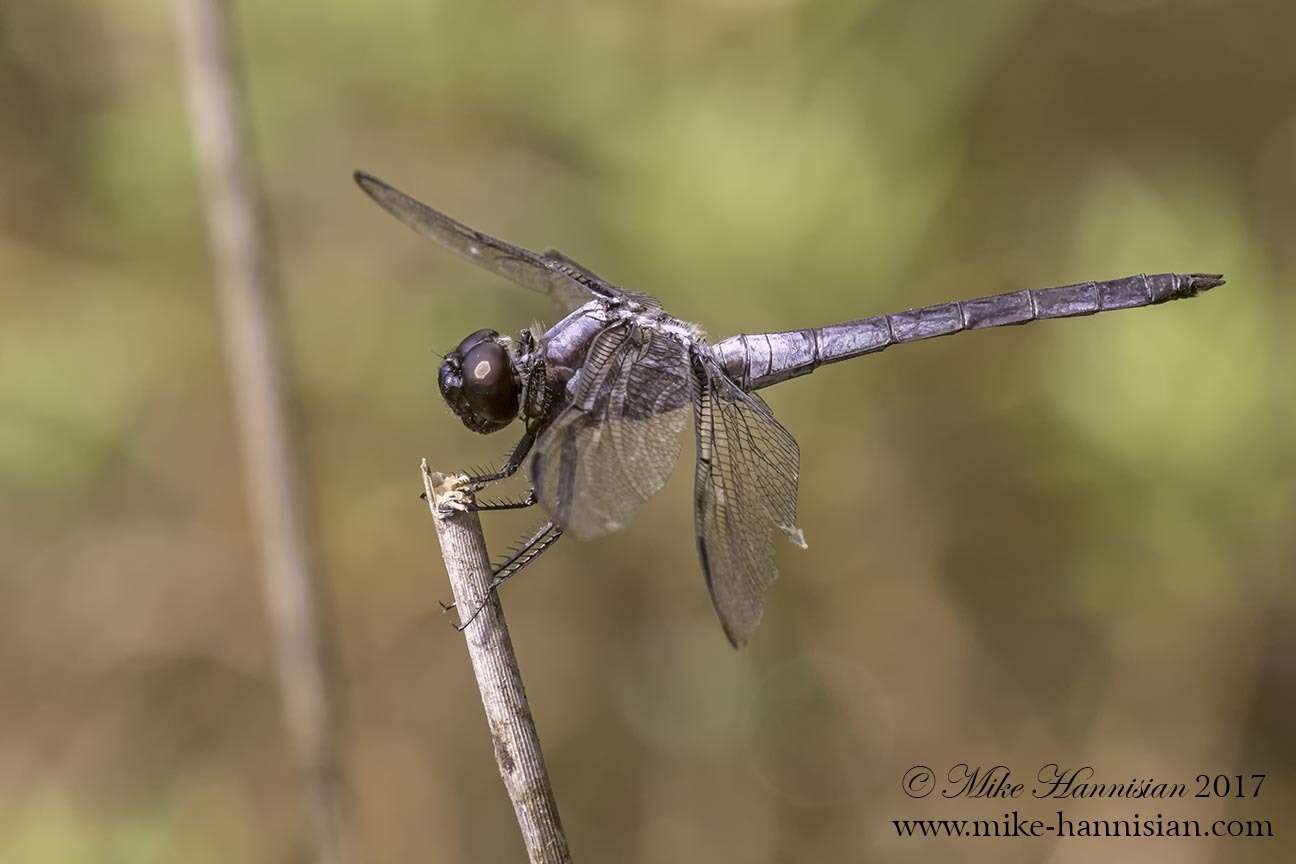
{"x":1071,"y":542}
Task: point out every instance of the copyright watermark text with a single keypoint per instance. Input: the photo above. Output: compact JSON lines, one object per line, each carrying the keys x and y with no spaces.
{"x":1055,"y":781}
{"x":968,"y":782}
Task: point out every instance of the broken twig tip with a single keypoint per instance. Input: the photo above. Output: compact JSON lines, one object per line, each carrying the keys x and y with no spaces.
{"x":447,"y":493}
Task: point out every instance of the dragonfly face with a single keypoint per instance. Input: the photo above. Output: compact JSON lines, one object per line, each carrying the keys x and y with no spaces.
{"x":480,"y":382}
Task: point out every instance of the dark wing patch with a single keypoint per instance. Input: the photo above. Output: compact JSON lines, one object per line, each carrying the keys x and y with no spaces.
{"x":745,"y":489}
{"x":514,"y":263}
{"x":614,"y":446}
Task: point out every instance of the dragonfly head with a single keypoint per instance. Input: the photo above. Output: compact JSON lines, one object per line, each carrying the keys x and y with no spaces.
{"x":480,"y":382}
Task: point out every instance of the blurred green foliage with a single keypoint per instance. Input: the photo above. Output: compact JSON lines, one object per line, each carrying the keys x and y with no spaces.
{"x":1071,"y":542}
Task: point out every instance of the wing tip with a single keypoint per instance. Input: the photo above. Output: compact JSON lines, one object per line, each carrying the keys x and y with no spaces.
{"x":370,"y":184}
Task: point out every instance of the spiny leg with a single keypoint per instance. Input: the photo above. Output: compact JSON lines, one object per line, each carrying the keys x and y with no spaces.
{"x":511,"y":465}
{"x":529,"y":500}
{"x":530,"y":550}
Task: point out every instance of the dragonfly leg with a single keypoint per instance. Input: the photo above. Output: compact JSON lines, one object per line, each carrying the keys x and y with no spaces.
{"x":511,"y":465}
{"x":527,"y":501}
{"x":530,"y":550}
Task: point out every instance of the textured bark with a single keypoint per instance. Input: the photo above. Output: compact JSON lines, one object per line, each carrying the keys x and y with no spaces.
{"x":512,"y":729}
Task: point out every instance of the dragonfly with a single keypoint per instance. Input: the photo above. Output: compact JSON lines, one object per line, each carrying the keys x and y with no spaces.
{"x":604,"y":395}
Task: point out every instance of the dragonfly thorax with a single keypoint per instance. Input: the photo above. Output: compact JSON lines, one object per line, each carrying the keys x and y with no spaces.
{"x":480,"y":382}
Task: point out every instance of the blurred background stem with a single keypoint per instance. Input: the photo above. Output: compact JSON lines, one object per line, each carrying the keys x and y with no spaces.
{"x":236,"y":220}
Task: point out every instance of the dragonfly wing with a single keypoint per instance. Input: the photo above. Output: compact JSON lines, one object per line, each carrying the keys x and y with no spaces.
{"x":514,"y":263}
{"x":615,"y":444}
{"x":597,"y":282}
{"x":745,"y":489}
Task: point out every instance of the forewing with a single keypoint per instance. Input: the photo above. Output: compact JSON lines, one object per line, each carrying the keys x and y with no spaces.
{"x":614,"y":445}
{"x":596,"y":282}
{"x":745,"y":489}
{"x":519,"y":265}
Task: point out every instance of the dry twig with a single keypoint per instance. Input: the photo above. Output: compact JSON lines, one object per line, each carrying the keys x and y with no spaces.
{"x":513,"y":732}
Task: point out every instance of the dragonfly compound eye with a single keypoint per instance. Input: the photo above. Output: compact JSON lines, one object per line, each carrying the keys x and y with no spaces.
{"x":479,"y":383}
{"x":489,"y":385}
